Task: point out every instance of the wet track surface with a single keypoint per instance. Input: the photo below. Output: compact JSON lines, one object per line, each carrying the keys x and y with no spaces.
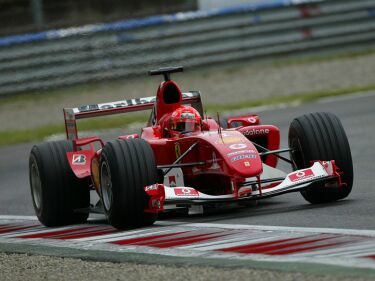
{"x":358,"y":117}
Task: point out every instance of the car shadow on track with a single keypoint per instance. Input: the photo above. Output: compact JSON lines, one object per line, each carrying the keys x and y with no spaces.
{"x":267,"y":211}
{"x":265,"y":208}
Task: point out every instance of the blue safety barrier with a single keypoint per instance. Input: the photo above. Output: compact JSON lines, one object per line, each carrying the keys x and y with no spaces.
{"x":146,"y":22}
{"x":62,"y":57}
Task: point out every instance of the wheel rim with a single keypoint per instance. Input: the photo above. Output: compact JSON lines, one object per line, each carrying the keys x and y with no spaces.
{"x":106,"y":186}
{"x":36,"y":185}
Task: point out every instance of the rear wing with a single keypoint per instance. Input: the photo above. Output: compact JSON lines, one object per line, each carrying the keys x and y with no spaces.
{"x":71,"y":115}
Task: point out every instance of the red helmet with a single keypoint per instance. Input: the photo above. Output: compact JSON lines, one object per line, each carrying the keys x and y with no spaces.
{"x":184,"y":119}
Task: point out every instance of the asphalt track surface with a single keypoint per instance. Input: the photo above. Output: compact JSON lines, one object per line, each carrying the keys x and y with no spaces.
{"x":356,"y":212}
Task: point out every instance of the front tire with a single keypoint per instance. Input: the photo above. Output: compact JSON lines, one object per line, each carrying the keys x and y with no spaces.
{"x":320,"y":136}
{"x":56,"y":192}
{"x":126,"y":167}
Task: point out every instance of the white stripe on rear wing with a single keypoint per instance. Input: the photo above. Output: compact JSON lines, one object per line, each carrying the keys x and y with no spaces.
{"x":109,"y":108}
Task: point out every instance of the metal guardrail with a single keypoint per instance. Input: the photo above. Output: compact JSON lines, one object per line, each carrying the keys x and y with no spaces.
{"x":78,"y":55}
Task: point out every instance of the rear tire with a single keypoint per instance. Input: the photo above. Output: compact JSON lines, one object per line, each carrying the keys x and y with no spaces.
{"x":126,"y":167}
{"x":55,"y":190}
{"x":320,"y":136}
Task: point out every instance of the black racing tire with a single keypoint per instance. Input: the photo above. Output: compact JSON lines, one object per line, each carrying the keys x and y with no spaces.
{"x":126,"y":167}
{"x":57,"y":194}
{"x":321,"y":136}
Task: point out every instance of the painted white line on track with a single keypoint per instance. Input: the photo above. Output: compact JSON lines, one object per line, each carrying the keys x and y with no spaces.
{"x":360,"y":232}
{"x":347,"y":97}
{"x":344,"y":231}
{"x":263,"y":108}
{"x":10,"y":217}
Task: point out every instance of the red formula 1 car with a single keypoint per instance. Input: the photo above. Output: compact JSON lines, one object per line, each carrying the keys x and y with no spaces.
{"x":181,"y":160}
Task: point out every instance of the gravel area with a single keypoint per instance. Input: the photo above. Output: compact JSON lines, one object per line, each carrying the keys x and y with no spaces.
{"x":225,"y":84}
{"x":23,"y":267}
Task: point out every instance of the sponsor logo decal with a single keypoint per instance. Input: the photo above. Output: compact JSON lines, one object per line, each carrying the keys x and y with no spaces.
{"x":301,"y":175}
{"x":229,"y":139}
{"x":111,"y":105}
{"x":172,"y":181}
{"x":187,"y":115}
{"x":177,"y":149}
{"x":124,"y":103}
{"x":252,"y":120}
{"x":241,"y":157}
{"x":184,"y":191}
{"x":246,"y":163}
{"x":151,"y":187}
{"x":238,"y":146}
{"x":89,"y":107}
{"x":241,"y":152}
{"x":79,"y":159}
{"x":256,"y":132}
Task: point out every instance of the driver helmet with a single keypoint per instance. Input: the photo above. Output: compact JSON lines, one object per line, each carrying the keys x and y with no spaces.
{"x":185,"y":119}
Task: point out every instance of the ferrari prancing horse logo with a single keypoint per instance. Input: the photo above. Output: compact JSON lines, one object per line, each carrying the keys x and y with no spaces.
{"x":177,"y":149}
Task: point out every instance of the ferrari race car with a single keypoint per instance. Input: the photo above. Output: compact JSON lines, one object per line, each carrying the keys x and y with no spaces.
{"x":181,"y":160}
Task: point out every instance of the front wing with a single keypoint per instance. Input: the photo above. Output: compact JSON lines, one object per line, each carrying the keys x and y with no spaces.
{"x":162,"y":196}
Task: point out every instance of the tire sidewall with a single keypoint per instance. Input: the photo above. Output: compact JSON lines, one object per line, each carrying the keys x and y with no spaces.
{"x":34,"y":161}
{"x":104,"y":161}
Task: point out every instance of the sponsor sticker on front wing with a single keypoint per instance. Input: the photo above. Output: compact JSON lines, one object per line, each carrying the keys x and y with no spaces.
{"x":185,"y":191}
{"x":301,"y":175}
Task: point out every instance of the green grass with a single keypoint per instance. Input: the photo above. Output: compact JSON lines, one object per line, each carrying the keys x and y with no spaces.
{"x":41,"y":132}
{"x":28,"y":135}
{"x":95,"y":124}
